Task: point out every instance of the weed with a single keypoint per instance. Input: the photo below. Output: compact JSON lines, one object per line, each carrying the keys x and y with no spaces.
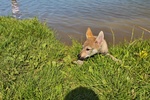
{"x":34,"y":65}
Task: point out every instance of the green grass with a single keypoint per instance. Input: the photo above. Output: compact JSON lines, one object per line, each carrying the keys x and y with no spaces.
{"x":35,"y":66}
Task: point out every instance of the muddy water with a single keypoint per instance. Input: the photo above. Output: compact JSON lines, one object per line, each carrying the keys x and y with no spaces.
{"x":70,"y":18}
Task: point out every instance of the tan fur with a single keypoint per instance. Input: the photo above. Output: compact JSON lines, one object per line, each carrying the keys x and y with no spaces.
{"x":89,"y":33}
{"x":94,"y":45}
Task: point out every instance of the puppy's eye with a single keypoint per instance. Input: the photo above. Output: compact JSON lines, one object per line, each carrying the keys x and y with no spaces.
{"x":87,"y":49}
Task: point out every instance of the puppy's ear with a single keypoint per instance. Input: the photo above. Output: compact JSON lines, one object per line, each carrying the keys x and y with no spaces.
{"x":89,"y":33}
{"x":100,"y":37}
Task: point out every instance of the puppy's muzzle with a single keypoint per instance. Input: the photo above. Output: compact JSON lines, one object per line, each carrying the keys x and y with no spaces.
{"x":80,"y":58}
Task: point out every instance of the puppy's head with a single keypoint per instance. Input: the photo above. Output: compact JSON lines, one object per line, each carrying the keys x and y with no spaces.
{"x":92,"y":44}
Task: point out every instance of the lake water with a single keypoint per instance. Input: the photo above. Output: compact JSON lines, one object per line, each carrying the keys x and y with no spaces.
{"x":70,"y":18}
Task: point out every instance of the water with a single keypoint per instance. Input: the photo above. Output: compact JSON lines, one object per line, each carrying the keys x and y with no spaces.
{"x":70,"y":18}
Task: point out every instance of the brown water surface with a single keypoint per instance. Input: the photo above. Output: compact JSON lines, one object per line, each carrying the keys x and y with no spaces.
{"x":70,"y":18}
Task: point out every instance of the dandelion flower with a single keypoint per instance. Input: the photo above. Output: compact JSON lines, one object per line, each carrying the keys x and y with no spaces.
{"x":143,"y":54}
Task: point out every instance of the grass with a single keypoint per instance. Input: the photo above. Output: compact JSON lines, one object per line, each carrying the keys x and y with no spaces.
{"x":35,"y":66}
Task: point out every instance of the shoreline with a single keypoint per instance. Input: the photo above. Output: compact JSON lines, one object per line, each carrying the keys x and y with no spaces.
{"x":112,"y":36}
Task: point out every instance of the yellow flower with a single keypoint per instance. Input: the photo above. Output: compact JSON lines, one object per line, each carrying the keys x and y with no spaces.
{"x":143,"y":54}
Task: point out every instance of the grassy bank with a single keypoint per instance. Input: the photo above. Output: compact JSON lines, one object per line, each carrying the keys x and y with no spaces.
{"x":35,"y":66}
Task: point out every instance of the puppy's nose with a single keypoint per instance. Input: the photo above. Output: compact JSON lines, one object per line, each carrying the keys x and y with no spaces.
{"x":79,"y":57}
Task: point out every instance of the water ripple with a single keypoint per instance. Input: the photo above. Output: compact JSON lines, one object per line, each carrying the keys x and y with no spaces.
{"x":72,"y":17}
